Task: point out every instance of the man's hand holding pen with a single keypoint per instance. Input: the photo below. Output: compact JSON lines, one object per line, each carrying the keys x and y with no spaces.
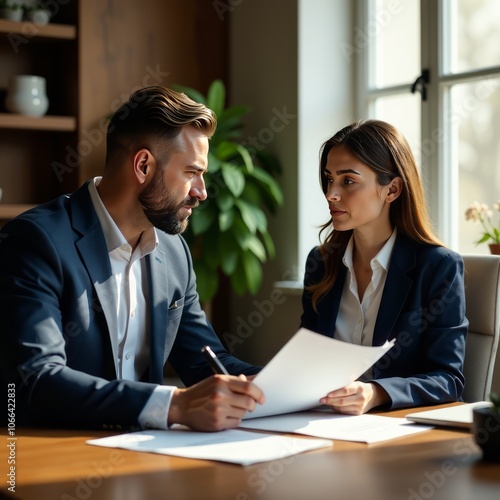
{"x":216,"y":403}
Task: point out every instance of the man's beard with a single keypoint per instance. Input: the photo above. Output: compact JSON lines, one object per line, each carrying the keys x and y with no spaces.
{"x":161,"y":209}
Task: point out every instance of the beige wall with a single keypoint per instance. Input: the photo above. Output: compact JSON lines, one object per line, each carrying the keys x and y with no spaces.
{"x":281,"y":61}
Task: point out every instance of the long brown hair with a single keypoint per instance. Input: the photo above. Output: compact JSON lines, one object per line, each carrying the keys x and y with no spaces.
{"x":381,"y":147}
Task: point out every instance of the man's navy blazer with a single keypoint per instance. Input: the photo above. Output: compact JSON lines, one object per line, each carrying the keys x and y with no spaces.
{"x":423,"y":307}
{"x":58,"y":306}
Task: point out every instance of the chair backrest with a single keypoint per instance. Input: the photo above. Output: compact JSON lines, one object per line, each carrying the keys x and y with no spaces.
{"x":482,"y":295}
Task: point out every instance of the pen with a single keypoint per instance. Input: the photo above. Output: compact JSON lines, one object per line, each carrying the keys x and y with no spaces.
{"x":213,"y":361}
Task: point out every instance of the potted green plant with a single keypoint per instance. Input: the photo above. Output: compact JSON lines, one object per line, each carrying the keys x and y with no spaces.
{"x":228,"y":233}
{"x":13,"y":11}
{"x":486,"y":428}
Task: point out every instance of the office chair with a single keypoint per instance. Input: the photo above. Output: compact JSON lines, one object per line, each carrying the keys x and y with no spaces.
{"x":482,"y":295}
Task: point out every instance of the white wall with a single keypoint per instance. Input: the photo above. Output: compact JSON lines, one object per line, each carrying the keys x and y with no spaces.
{"x":286,"y":58}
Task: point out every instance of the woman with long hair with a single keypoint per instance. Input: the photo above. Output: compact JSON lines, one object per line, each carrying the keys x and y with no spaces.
{"x":380,"y":274}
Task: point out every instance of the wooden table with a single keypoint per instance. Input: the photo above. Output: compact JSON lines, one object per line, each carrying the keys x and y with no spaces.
{"x":441,"y":464}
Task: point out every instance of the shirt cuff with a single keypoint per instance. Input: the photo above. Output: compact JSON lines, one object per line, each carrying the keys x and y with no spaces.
{"x":154,"y":415}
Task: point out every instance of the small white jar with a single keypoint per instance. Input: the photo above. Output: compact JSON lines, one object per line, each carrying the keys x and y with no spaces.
{"x":26,"y":95}
{"x":38,"y":16}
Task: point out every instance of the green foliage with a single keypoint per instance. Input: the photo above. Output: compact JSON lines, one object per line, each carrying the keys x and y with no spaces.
{"x":10,"y":4}
{"x":495,"y":399}
{"x":228,"y":233}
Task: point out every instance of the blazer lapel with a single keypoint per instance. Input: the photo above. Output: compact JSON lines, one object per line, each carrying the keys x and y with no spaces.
{"x":156,"y":265}
{"x":396,"y":289}
{"x":330,"y":304}
{"x":92,"y":247}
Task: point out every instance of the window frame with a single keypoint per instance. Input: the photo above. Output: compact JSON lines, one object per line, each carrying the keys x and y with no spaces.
{"x":439,"y":165}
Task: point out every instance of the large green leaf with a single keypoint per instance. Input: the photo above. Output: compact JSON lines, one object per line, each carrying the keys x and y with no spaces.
{"x":207,"y":281}
{"x":191,"y":93}
{"x":229,"y":124}
{"x":245,"y":155}
{"x":209,"y":250}
{"x":253,"y":271}
{"x":226,"y":220}
{"x":253,"y":192}
{"x":226,"y":150}
{"x":259,"y":195}
{"x":270,"y":184}
{"x":213,"y":163}
{"x":239,"y":280}
{"x":252,"y":215}
{"x":216,"y":97}
{"x":227,"y":131}
{"x":224,"y":200}
{"x":247,"y":276}
{"x":233,"y":113}
{"x":234,"y":178}
{"x":234,"y":152}
{"x":229,"y":262}
{"x":201,"y":219}
{"x":255,"y":246}
{"x":484,"y":238}
{"x":268,"y":241}
{"x":247,"y":216}
{"x":241,"y":232}
{"x":229,"y":251}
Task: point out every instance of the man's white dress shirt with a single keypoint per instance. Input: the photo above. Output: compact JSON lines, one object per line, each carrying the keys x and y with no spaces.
{"x":128,"y":268}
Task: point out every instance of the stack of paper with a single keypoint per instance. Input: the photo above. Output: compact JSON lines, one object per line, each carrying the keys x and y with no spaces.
{"x":234,"y":446}
{"x":363,"y":428}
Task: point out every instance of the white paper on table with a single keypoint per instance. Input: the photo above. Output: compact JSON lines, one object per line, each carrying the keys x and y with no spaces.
{"x":363,"y":428}
{"x":307,"y":368}
{"x":231,"y":445}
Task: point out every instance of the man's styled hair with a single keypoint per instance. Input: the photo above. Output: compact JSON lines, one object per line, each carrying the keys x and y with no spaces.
{"x":155,"y":113}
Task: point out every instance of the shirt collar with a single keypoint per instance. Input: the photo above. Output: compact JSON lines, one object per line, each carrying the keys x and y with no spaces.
{"x":112,"y":234}
{"x":383,"y":257}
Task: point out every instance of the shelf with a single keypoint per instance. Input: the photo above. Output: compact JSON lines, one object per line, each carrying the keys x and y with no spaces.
{"x":10,"y":210}
{"x":31,"y":30}
{"x":47,"y":122}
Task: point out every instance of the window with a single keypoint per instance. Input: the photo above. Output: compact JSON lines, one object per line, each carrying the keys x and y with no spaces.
{"x":453,"y":121}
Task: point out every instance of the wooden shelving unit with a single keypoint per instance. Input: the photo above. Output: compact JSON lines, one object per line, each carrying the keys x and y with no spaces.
{"x":30,"y":30}
{"x":56,"y":123}
{"x":93,"y":55}
{"x":29,"y":146}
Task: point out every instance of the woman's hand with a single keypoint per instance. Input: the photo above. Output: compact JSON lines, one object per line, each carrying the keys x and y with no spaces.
{"x":356,"y":398}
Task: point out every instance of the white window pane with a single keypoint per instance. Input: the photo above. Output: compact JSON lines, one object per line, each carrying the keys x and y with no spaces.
{"x":475,"y":34}
{"x":475,"y":120}
{"x":394,"y":31}
{"x":402,"y":111}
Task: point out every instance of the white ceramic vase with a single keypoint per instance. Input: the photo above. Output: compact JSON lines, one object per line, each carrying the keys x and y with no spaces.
{"x":38,"y":16}
{"x":11,"y":14}
{"x":26,"y":95}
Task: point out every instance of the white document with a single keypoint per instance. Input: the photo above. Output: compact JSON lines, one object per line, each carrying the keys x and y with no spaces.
{"x":307,"y":368}
{"x":363,"y":428}
{"x":232,"y":445}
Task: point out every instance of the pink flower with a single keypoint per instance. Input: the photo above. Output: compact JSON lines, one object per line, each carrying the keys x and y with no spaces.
{"x":480,"y":212}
